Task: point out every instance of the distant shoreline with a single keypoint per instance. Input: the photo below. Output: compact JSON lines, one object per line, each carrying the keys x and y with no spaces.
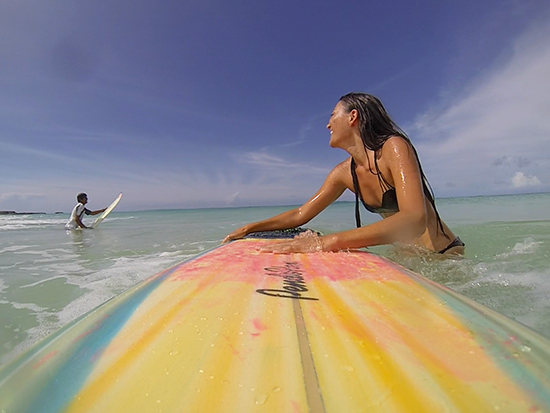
{"x":25,"y":213}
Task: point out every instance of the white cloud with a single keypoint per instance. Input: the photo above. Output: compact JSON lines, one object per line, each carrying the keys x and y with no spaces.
{"x":501,"y":120}
{"x":22,"y":201}
{"x":266,"y":160}
{"x":520,"y":180}
{"x":233,"y":199}
{"x":19,"y":197}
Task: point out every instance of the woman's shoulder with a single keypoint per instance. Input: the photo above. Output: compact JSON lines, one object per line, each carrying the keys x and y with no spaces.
{"x":343,"y":167}
{"x":341,"y":172}
{"x":396,"y":142}
{"x":396,"y":147}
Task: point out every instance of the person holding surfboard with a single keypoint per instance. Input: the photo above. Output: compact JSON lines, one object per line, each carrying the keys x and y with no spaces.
{"x":78,"y":212}
{"x":385,"y":174}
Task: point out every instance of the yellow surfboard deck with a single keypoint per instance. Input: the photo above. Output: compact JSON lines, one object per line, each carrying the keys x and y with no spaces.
{"x":239,"y":330}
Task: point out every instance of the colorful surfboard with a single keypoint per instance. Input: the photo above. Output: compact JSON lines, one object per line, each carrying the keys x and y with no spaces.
{"x":239,"y":330}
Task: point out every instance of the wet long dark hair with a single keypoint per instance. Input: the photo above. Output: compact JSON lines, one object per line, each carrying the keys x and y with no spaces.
{"x":376,"y":127}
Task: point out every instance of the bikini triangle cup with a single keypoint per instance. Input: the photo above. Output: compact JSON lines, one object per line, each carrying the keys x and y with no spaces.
{"x":389,"y":197}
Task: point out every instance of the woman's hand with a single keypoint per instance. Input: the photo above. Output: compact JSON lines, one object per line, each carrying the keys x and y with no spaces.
{"x":237,"y":234}
{"x":305,"y":242}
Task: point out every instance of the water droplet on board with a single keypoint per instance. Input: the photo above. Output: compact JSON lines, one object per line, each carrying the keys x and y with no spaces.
{"x":525,"y":349}
{"x":174,"y":352}
{"x":261,"y":399}
{"x":276,"y":389}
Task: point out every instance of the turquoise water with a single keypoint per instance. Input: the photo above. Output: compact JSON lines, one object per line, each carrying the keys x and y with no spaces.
{"x":49,"y":277}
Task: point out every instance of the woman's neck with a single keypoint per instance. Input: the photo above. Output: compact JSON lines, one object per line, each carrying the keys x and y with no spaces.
{"x":359,"y":153}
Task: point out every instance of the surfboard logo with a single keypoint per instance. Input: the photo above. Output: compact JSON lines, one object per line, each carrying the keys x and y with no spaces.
{"x":294,"y":284}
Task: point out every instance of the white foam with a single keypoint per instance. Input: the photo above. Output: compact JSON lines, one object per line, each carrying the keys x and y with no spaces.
{"x":169,"y":254}
{"x":94,"y":287}
{"x":24,"y":222}
{"x":528,"y":246}
{"x":119,"y":218}
{"x":33,"y":334}
{"x":15,"y":248}
{"x":45,"y":280}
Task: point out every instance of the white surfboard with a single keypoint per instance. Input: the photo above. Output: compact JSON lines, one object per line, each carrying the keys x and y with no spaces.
{"x":100,"y":218}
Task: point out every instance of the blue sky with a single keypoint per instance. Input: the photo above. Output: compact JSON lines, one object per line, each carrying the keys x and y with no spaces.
{"x":183,"y":104}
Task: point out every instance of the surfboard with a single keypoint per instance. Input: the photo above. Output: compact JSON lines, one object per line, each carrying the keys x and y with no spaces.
{"x":240,"y":330}
{"x":105,"y":213}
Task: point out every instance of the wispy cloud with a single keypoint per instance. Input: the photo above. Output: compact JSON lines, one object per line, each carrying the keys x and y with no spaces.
{"x":275,"y":162}
{"x":500,"y":119}
{"x":265,"y":160}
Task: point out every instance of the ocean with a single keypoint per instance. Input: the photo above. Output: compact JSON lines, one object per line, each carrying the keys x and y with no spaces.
{"x":49,"y":276}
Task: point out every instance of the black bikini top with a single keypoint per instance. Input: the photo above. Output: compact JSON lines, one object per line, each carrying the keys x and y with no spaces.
{"x":389,"y":197}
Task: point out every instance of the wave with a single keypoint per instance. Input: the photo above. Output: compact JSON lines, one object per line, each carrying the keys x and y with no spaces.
{"x":23,"y":222}
{"x":528,"y":246}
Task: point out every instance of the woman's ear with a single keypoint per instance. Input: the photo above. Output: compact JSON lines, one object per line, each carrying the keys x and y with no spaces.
{"x":353,"y":117}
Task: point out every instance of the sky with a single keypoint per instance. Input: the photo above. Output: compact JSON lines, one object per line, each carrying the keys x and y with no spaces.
{"x":222,"y":103}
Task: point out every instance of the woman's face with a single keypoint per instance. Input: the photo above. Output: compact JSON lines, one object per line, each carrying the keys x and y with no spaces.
{"x":339,"y":125}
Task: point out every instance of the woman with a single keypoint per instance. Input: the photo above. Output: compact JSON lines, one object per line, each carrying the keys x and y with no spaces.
{"x":384,"y":172}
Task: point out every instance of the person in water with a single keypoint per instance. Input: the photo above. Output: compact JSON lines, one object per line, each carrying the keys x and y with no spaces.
{"x":384,"y":172}
{"x":78,"y":212}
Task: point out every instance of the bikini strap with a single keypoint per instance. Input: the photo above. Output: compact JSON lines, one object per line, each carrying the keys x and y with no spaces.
{"x":356,"y":189}
{"x":384,"y":185}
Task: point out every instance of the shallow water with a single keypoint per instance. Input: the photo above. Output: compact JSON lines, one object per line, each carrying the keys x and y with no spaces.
{"x":49,"y":277}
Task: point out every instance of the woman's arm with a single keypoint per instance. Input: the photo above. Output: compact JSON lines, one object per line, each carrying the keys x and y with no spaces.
{"x":398,"y":158}
{"x":329,"y":192}
{"x":398,"y":161}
